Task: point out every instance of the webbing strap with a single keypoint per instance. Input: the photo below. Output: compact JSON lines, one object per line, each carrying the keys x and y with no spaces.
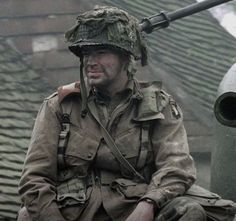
{"x":112,"y":145}
{"x":83,"y":89}
{"x":64,"y":134}
{"x":144,"y":140}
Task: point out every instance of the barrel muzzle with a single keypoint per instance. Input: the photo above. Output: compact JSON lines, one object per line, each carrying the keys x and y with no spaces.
{"x":225,"y":104}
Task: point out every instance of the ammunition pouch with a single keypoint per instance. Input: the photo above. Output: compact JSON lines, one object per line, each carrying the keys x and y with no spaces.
{"x":217,"y":209}
{"x":129,"y":189}
{"x":72,"y":192}
{"x":73,"y":189}
{"x":153,"y":102}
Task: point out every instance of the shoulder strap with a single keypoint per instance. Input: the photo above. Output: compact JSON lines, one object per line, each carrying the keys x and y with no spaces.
{"x":66,"y":105}
{"x":112,"y":145}
{"x":145,"y":125}
{"x":65,"y":132}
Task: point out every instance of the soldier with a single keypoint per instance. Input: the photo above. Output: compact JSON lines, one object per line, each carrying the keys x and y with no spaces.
{"x":108,"y":147}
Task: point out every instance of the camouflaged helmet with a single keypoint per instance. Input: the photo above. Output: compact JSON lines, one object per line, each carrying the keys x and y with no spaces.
{"x":108,"y":26}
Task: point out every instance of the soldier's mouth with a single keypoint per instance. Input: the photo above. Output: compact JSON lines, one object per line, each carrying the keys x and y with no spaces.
{"x":94,"y":74}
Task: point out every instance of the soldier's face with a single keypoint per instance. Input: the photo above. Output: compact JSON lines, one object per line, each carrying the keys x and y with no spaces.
{"x":103,"y":67}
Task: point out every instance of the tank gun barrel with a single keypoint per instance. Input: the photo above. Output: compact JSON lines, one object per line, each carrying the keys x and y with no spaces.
{"x":163,"y":19}
{"x":225,"y":104}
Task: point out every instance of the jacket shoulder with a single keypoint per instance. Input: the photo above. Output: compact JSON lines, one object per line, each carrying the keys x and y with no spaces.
{"x":51,"y":96}
{"x":68,"y":90}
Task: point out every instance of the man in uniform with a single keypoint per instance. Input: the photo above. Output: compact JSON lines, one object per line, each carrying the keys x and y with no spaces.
{"x":108,"y":147}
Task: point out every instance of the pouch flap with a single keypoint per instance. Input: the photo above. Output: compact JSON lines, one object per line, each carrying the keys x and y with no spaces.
{"x":123,"y":182}
{"x":72,"y":192}
{"x":129,"y":188}
{"x":198,"y":191}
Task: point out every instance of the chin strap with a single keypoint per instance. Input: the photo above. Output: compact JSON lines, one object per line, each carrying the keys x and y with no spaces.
{"x":83,"y":90}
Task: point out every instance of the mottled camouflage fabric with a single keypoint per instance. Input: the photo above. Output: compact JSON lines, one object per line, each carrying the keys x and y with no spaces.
{"x":109,"y":26}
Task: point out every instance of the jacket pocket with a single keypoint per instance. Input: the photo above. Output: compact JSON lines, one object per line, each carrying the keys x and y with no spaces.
{"x":81,"y":148}
{"x":129,"y":142}
{"x":129,"y":188}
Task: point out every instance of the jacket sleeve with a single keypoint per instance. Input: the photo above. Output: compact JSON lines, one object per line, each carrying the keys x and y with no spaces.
{"x":175,"y":170}
{"x":37,"y":186}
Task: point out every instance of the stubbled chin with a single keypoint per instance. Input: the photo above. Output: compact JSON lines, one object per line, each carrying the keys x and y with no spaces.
{"x":94,"y":81}
{"x":94,"y":78}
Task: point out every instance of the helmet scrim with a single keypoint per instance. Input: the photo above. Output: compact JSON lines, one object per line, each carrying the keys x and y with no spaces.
{"x":111,"y":27}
